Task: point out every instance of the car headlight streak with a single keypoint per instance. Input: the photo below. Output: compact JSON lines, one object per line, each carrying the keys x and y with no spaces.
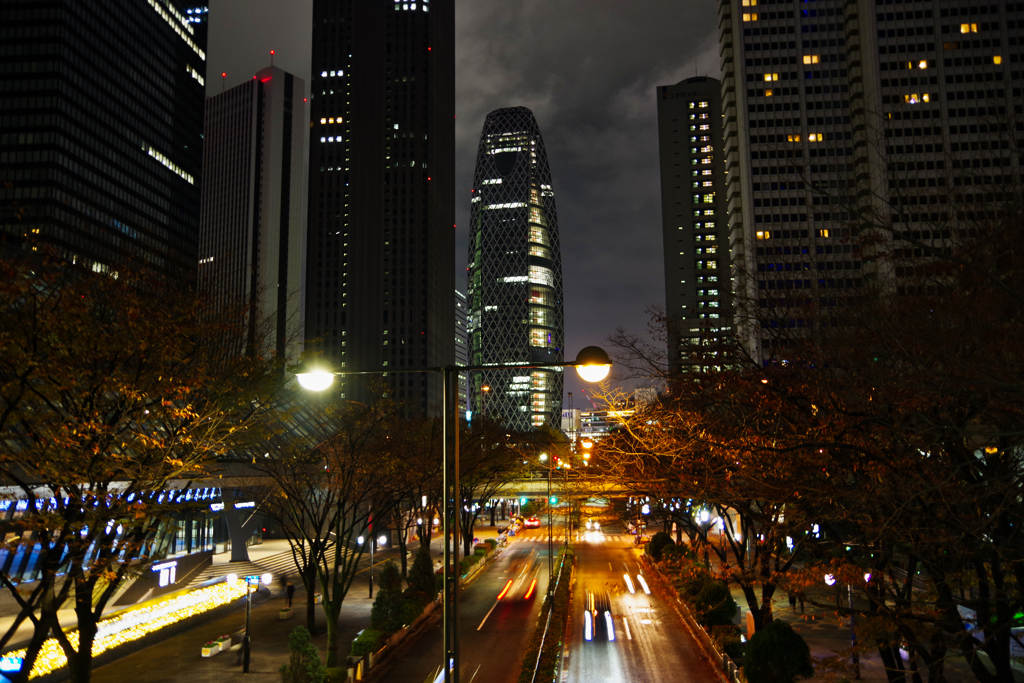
{"x":135,"y":623}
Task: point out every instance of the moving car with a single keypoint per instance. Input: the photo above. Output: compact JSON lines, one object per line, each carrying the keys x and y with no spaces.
{"x":532,"y":523}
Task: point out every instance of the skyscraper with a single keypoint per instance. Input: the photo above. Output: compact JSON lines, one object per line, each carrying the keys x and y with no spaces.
{"x":693,"y":221}
{"x":462,"y":347}
{"x":101,"y":121}
{"x":843,"y":117}
{"x":252,"y":228}
{"x":381,"y":269}
{"x":515,"y":273}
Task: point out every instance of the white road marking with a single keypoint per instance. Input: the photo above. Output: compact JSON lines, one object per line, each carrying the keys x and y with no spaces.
{"x":625,"y":620}
{"x":487,"y":615}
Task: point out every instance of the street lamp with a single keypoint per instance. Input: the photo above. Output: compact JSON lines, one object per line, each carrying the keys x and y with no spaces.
{"x":593,"y":365}
{"x":250,"y":581}
{"x":830,"y":580}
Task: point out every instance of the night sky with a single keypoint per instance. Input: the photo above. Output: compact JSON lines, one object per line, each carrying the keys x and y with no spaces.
{"x":588,"y":69}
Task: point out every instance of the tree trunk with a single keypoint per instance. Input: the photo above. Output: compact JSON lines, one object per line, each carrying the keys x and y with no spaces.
{"x":309,"y":581}
{"x":80,"y":662}
{"x":332,"y":634}
{"x":39,"y":635}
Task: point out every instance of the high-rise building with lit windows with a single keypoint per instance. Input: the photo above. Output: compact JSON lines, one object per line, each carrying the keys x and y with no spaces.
{"x":841,"y":117}
{"x":381,"y":252}
{"x":695,"y":228}
{"x":252,"y":226}
{"x":515,"y":273}
{"x":101,"y":123}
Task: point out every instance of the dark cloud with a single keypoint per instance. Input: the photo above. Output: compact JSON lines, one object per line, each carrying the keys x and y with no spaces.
{"x":588,"y":69}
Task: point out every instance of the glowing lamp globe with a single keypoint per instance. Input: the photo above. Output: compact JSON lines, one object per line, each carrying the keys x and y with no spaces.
{"x":382,"y":540}
{"x":593,"y":364}
{"x":313,"y":375}
{"x":266,"y":579}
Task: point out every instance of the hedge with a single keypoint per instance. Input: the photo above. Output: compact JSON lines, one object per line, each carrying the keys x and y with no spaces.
{"x":559,"y":608}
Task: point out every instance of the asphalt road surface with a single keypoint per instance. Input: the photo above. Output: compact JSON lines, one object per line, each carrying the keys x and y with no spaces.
{"x":633,"y":636}
{"x":493,"y":632}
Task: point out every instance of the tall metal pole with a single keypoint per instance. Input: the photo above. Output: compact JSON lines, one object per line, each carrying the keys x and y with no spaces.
{"x":451,"y":529}
{"x":371,"y":556}
{"x":551,"y":559}
{"x":245,"y":638}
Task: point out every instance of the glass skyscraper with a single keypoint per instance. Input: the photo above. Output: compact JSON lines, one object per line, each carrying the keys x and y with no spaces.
{"x":101,"y":127}
{"x":515,"y":274}
{"x":380,"y":283}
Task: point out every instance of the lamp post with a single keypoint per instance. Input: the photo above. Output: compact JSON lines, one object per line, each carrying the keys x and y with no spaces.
{"x":485,"y":389}
{"x":592,"y":363}
{"x":830,"y":580}
{"x":544,"y":458}
{"x":250,"y":581}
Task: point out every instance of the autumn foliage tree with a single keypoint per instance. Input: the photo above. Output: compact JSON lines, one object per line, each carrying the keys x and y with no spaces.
{"x":112,"y":386}
{"x":884,"y":440}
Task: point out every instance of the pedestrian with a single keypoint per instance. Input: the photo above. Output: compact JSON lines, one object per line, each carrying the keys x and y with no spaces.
{"x":800,"y":597}
{"x":290,"y":592}
{"x":792,"y":602}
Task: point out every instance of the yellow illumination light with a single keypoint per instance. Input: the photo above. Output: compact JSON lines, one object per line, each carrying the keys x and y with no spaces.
{"x":815,"y":137}
{"x":133,"y":624}
{"x":763,"y":235}
{"x":750,"y":3}
{"x":923,"y":64}
{"x":811,"y":59}
{"x":925,"y":98}
{"x":322,"y":121}
{"x":750,"y":17}
{"x":793,"y":138}
{"x":768,"y":92}
{"x":771,"y":77}
{"x":968,"y":28}
{"x":997,"y":59}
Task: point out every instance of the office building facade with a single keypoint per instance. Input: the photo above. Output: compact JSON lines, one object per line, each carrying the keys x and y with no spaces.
{"x":856,"y":136}
{"x":252,"y":226}
{"x":101,"y":123}
{"x":381,"y":266}
{"x":515,"y":273}
{"x":462,"y":347}
{"x":695,"y":231}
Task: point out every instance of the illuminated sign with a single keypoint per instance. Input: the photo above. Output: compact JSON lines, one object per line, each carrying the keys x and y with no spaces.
{"x":11,"y":664}
{"x":168,"y":572}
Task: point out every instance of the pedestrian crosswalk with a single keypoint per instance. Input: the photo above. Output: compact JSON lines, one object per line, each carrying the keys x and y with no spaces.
{"x":624,"y":539}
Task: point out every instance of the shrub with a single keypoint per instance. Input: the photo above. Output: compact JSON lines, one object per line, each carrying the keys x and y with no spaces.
{"x":336,"y":674}
{"x":386,"y":614}
{"x":304,"y":665}
{"x":421,"y":574}
{"x":491,"y":542}
{"x":692,"y":579}
{"x":715,"y":605}
{"x":466,"y":563}
{"x":658,"y":543}
{"x":777,"y":654}
{"x":368,"y":640}
{"x":727,"y":640}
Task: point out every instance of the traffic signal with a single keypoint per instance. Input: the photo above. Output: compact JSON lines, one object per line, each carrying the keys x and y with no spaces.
{"x":554,"y":500}
{"x":522,"y":501}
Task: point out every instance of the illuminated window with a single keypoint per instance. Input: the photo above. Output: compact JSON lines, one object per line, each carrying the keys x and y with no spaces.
{"x":750,"y":17}
{"x":811,"y":59}
{"x":968,"y":28}
{"x":793,"y":138}
{"x":750,"y":3}
{"x":815,"y":137}
{"x":768,"y":92}
{"x":703,"y":105}
{"x":763,"y":235}
{"x":997,"y":60}
{"x":823,"y":233}
{"x":705,"y":126}
{"x":709,"y":198}
{"x":706,"y":162}
{"x":923,"y":64}
{"x":693,"y":105}
{"x":925,"y":97}
{"x":915,"y":98}
{"x":706,"y":171}
{"x":322,"y":121}
{"x":771,"y":77}
{"x":706,"y":149}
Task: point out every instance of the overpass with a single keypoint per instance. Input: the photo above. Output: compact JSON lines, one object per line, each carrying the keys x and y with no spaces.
{"x":576,"y":487}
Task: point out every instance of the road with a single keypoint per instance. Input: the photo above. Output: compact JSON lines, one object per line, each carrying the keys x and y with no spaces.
{"x":493,"y":632}
{"x":641,"y":640}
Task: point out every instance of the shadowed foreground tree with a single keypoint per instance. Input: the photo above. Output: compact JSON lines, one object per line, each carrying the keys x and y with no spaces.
{"x":112,"y":386}
{"x":893,"y":426}
{"x":327,"y":496}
